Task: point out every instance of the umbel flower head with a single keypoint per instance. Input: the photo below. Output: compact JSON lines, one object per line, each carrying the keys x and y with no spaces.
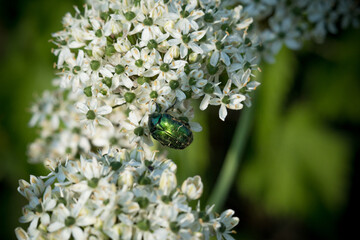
{"x":290,"y":23}
{"x":120,"y":61}
{"x":119,"y":195}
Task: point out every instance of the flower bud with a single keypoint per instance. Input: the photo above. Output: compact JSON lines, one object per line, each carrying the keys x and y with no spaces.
{"x":167,"y":181}
{"x":192,"y":187}
{"x":176,"y":51}
{"x":126,"y":178}
{"x":163,"y":46}
{"x":122,"y":45}
{"x":193,"y":57}
{"x":21,"y":234}
{"x":169,"y":26}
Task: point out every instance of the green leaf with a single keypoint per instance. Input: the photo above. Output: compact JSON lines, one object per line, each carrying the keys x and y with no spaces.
{"x":299,"y":162}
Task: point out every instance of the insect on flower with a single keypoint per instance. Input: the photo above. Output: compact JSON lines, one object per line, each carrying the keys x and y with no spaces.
{"x":169,"y":130}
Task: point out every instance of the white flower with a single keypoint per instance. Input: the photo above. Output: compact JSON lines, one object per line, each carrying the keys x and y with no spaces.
{"x":224,"y":225}
{"x":147,"y":26}
{"x":187,"y":41}
{"x":45,"y":108}
{"x":218,"y":49}
{"x":282,"y":30}
{"x":126,"y":178}
{"x":167,"y":182}
{"x":112,"y":27}
{"x":63,"y":53}
{"x":93,"y":176}
{"x":21,"y":234}
{"x":92,"y":115}
{"x":227,"y":99}
{"x":156,"y":93}
{"x":78,"y":75}
{"x":68,"y":223}
{"x":138,"y":61}
{"x":120,"y":73}
{"x":174,"y":223}
{"x":192,"y":187}
{"x":245,"y":61}
{"x":258,"y":9}
{"x":56,"y":171}
{"x":39,"y":210}
{"x":242,"y":80}
{"x":122,"y":206}
{"x":165,"y":69}
{"x":194,"y":81}
{"x":186,"y":16}
{"x":35,"y":188}
{"x":137,"y":128}
{"x":152,"y":44}
{"x":209,"y":89}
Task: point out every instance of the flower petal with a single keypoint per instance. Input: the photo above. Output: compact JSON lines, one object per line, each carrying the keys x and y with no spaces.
{"x":78,"y":233}
{"x":103,"y":110}
{"x":183,"y":51}
{"x":195,"y":48}
{"x":205,"y":102}
{"x":104,"y":121}
{"x":214,"y":58}
{"x":222,"y":112}
{"x":82,"y":108}
{"x":55,"y":226}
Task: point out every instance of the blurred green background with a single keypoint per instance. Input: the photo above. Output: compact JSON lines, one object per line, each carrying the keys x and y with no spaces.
{"x":299,"y":174}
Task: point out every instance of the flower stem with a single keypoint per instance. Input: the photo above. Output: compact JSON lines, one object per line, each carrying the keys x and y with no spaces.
{"x":232,"y":160}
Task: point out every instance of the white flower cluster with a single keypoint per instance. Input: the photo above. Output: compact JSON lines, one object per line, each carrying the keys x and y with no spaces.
{"x":279,"y":22}
{"x":120,"y":195}
{"x":120,"y":61}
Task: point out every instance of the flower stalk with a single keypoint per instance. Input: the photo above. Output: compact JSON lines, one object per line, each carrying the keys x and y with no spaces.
{"x":230,"y":167}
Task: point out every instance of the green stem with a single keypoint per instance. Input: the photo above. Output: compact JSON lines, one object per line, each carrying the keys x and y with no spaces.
{"x":232,"y":160}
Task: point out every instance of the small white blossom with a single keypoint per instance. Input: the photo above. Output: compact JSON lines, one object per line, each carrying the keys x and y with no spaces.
{"x":93,"y":115}
{"x":167,"y":182}
{"x":224,"y":225}
{"x":227,"y":99}
{"x":192,"y":187}
{"x":138,"y":126}
{"x":68,"y":223}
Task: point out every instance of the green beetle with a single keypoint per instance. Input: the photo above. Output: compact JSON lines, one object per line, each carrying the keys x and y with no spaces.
{"x":169,"y":130}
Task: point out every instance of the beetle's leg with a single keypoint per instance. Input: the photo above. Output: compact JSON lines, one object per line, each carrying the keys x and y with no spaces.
{"x":158,"y":107}
{"x":171,"y":105}
{"x":119,"y":105}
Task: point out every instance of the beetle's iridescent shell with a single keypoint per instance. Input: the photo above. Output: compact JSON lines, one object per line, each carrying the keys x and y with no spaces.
{"x":170,"y":131}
